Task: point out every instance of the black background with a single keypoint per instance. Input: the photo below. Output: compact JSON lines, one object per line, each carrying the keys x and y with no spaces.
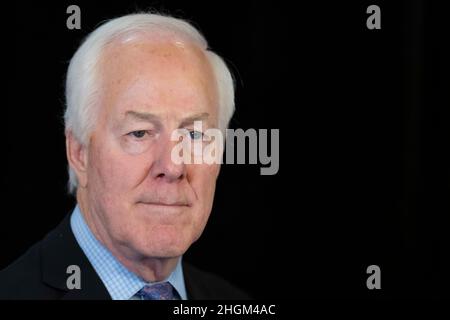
{"x":363,"y":118}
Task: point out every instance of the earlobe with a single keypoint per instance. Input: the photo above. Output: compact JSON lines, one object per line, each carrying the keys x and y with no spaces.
{"x":77,"y":158}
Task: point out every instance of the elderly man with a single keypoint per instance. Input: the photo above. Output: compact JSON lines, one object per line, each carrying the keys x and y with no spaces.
{"x":133,"y":82}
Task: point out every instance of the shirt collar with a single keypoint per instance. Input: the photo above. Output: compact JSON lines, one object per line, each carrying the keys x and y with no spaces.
{"x":121,"y":283}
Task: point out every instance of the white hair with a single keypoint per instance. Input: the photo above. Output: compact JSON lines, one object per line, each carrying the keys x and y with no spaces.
{"x":82,"y":82}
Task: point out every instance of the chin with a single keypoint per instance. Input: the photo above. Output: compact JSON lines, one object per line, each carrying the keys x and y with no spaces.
{"x":163,"y":251}
{"x":164,"y":245}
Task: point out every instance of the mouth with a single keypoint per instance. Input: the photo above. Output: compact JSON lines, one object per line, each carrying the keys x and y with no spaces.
{"x":166,"y":204}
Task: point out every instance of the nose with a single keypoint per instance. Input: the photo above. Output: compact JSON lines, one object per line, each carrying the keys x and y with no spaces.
{"x":164,"y":168}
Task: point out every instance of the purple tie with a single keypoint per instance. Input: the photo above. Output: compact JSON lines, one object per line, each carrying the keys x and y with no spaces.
{"x":159,"y":291}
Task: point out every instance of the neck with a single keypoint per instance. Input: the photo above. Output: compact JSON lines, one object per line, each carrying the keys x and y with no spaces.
{"x":151,"y":269}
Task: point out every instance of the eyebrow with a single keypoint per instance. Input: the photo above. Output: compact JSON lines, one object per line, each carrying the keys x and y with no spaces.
{"x":150,"y":117}
{"x":143,"y":116}
{"x":191,"y":119}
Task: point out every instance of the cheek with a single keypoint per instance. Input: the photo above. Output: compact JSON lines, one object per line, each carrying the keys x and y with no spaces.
{"x":203,"y":180}
{"x":204,"y":184}
{"x":116,"y":172}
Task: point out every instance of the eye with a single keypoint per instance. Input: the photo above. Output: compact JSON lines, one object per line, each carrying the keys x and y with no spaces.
{"x":195,"y":135}
{"x":138,"y":134}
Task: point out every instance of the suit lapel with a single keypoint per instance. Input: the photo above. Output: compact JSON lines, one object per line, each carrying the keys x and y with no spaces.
{"x":59,"y":250}
{"x":193,"y":283}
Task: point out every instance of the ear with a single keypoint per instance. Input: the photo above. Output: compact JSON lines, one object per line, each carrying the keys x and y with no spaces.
{"x":77,"y":158}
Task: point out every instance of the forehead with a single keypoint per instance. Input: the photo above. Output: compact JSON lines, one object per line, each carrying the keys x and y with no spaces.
{"x":162,"y":77}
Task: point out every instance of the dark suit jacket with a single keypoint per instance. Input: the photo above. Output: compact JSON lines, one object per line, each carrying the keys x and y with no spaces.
{"x":41,"y":273}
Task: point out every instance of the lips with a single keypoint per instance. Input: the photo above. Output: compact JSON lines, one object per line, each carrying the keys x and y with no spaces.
{"x":167,"y":204}
{"x":164,"y":198}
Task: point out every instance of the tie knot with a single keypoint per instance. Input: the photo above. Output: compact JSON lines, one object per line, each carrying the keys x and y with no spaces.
{"x":158,"y":291}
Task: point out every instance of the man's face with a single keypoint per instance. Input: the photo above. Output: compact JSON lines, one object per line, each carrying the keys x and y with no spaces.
{"x":138,"y":198}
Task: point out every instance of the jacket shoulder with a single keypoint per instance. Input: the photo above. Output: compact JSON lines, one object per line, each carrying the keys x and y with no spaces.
{"x":22,"y":279}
